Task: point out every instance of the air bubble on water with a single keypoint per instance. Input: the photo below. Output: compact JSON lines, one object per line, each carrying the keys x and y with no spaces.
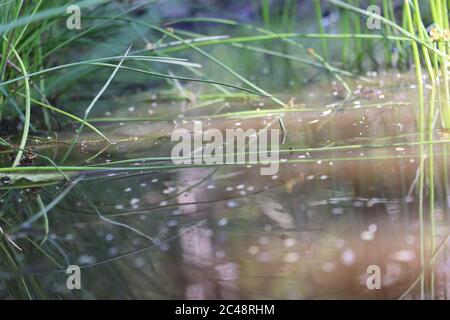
{"x":291,"y":257}
{"x":366,"y":235}
{"x":86,"y":259}
{"x":404,"y":256}
{"x":327,"y":112}
{"x":169,"y":190}
{"x":373,"y":228}
{"x":253,"y":250}
{"x":337,"y":210}
{"x":348,"y":257}
{"x":289,"y":242}
{"x":222,"y":222}
{"x":109,"y":237}
{"x":113,"y":251}
{"x":177,"y":212}
{"x":232,"y":204}
{"x":172,"y":223}
{"x":134,"y":201}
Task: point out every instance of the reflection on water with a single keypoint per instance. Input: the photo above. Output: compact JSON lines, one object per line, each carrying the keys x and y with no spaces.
{"x":310,"y":231}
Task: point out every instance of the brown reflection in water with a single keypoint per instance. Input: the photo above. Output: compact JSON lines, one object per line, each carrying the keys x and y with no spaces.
{"x":312,"y":230}
{"x":205,"y":277}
